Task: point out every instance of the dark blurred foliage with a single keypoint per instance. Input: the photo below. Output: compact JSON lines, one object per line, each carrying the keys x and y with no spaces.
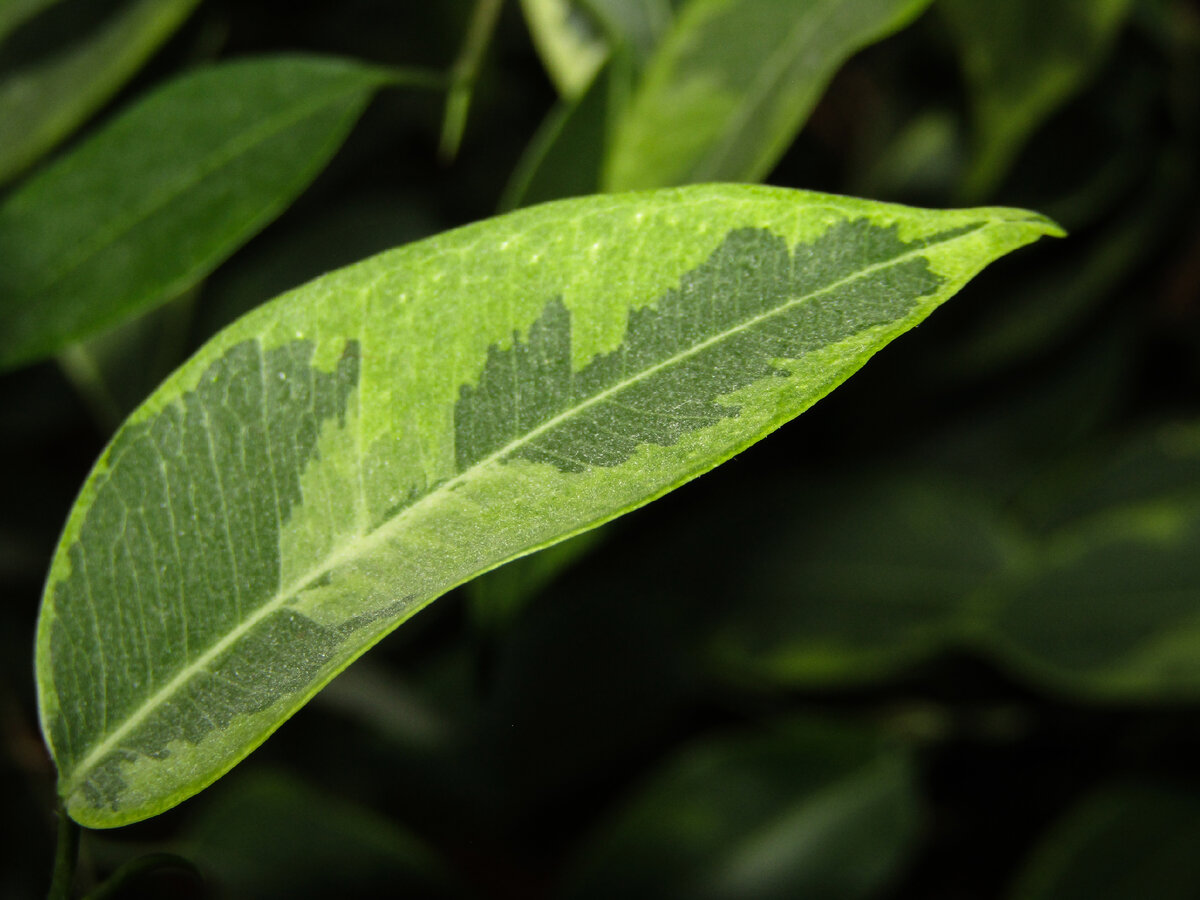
{"x":887,"y":652}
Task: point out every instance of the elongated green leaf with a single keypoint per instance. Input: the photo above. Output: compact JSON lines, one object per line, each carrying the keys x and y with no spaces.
{"x":570,"y":42}
{"x":157,"y":199}
{"x":43,"y":102}
{"x":335,"y":460}
{"x":15,"y":12}
{"x":1123,"y":840}
{"x":734,"y":80}
{"x":805,"y":811}
{"x":1023,"y":58}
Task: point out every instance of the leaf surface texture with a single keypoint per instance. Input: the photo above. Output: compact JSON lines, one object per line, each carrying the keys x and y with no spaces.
{"x":337,"y":459}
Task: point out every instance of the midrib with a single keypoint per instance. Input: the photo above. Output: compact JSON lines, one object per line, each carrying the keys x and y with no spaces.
{"x":381,"y":534}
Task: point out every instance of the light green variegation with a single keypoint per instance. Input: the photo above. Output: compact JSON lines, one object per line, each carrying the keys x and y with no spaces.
{"x":733,"y":81}
{"x":332,"y":462}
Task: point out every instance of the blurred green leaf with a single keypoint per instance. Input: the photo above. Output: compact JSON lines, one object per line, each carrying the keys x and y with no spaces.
{"x":890,"y":571}
{"x":1022,"y":59}
{"x":1113,"y":609}
{"x":165,"y":192}
{"x":733,"y":81}
{"x":271,"y":835}
{"x":46,"y":98}
{"x":803,"y":810}
{"x":465,"y":72}
{"x":14,"y":12}
{"x":566,"y":156}
{"x":1098,"y":595}
{"x":636,"y":24}
{"x":1044,"y":307}
{"x":572,"y":45}
{"x":922,"y":160}
{"x":1123,"y":841}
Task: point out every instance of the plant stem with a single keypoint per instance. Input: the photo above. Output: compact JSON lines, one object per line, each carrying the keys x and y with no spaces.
{"x":464,"y":73}
{"x":65,"y":855}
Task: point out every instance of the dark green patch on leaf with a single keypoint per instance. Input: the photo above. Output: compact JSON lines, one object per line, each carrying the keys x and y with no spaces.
{"x":178,"y":518}
{"x":752,"y":301}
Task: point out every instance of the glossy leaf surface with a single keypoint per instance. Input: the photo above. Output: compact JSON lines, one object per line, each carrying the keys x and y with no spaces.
{"x":732,"y":82}
{"x":335,"y":460}
{"x":155,"y":200}
{"x":45,"y":99}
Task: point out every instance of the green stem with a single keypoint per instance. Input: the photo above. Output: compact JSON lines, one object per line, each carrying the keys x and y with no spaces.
{"x":65,"y":856}
{"x":79,"y":364}
{"x":465,"y":72}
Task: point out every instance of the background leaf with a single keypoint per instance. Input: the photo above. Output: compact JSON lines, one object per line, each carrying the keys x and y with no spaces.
{"x":45,"y":96}
{"x":799,"y":810}
{"x":150,"y":204}
{"x":731,"y":84}
{"x":1022,"y":59}
{"x":274,"y":833}
{"x":566,"y":156}
{"x":571,"y":43}
{"x":1123,"y":840}
{"x":331,"y":463}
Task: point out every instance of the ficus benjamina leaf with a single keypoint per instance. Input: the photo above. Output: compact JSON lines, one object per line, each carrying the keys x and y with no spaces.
{"x":337,"y":459}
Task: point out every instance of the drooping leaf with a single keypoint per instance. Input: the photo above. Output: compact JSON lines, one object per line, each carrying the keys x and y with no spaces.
{"x":1123,"y":840}
{"x":45,"y":99}
{"x":804,"y":810}
{"x":1090,"y":592}
{"x":1022,"y":59}
{"x":733,"y":81}
{"x":335,"y":460}
{"x":159,"y":197}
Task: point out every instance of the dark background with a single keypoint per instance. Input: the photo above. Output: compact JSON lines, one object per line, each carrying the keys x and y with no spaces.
{"x":489,"y":746}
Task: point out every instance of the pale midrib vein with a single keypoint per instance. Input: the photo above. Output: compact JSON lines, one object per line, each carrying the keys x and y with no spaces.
{"x":365,"y":543}
{"x":240,"y":146}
